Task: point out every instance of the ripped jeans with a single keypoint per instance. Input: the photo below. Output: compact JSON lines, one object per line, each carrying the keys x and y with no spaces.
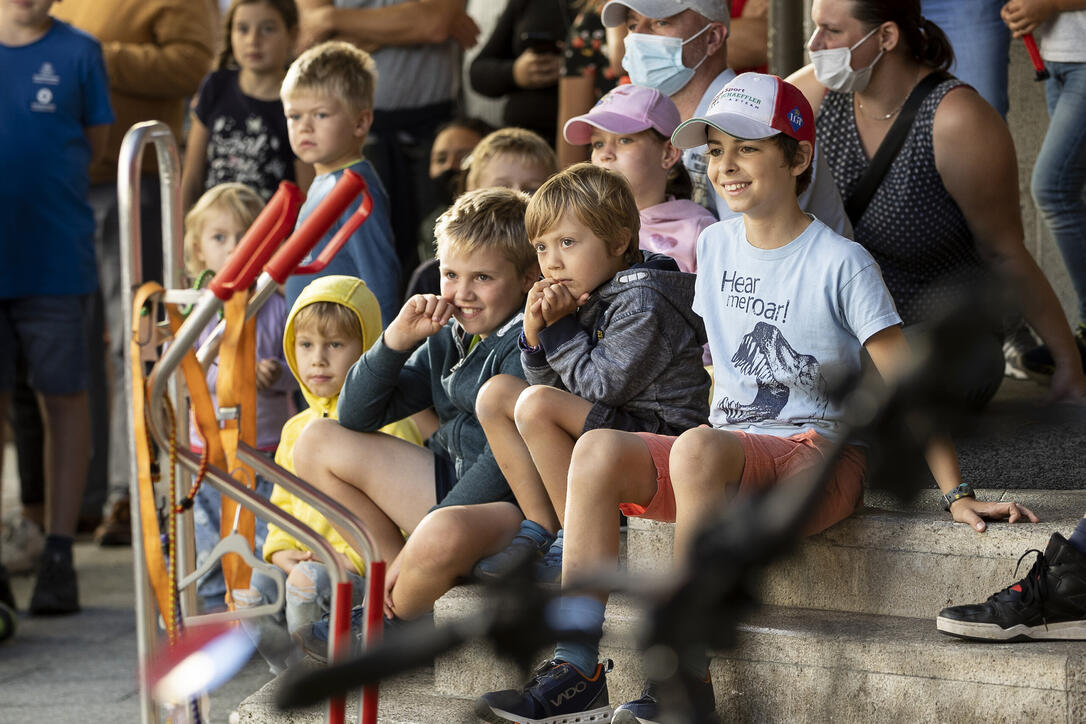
{"x":308,"y":599}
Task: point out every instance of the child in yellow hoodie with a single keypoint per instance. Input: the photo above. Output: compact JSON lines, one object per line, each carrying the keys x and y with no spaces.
{"x":334,"y":320}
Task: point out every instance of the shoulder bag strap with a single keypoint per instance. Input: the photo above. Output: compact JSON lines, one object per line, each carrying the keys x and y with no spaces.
{"x":857,"y":203}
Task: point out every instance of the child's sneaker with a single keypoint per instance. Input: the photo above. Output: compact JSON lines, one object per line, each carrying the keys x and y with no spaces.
{"x":548,"y":569}
{"x":313,"y":639}
{"x":646,"y":709}
{"x":557,"y":693}
{"x":1049,"y":603}
{"x":530,"y":542}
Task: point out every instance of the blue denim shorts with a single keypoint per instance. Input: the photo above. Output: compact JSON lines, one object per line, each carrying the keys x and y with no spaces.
{"x":444,"y":475}
{"x":50,"y":332}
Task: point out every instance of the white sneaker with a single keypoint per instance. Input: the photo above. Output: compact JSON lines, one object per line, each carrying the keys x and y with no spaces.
{"x":21,"y":544}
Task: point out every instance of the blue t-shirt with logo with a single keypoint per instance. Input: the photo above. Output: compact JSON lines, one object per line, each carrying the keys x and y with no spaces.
{"x":53,"y":89}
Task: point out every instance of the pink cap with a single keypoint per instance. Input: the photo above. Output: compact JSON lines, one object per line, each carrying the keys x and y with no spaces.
{"x":626,"y":109}
{"x":752,"y":106}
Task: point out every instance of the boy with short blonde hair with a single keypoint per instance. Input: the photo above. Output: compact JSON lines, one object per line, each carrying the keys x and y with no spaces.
{"x":610,"y":341}
{"x":451,"y":498}
{"x":328,"y":100}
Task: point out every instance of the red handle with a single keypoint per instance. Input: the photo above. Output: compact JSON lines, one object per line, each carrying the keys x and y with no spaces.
{"x":260,"y":242}
{"x":341,"y":236}
{"x":310,"y":231}
{"x":1035,"y":57}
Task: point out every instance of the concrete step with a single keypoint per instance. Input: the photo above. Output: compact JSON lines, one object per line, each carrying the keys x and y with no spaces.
{"x":408,"y":699}
{"x":802,"y":665}
{"x":908,"y":562}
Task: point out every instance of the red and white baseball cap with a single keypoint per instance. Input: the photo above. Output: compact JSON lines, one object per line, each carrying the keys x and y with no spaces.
{"x":752,"y":106}
{"x":626,"y":109}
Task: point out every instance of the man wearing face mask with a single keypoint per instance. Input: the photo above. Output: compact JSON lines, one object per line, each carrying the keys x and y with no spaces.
{"x":680,"y":48}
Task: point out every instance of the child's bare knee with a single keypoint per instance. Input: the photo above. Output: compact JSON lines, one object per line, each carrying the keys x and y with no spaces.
{"x":703,"y":455}
{"x":440,"y":542}
{"x":535,"y":405}
{"x":301,"y":584}
{"x":246,"y":597}
{"x":596,"y":458}
{"x":496,"y":396}
{"x":307,"y":451}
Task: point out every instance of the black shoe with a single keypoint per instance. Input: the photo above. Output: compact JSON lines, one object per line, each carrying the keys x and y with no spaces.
{"x":7,"y":622}
{"x":556,"y":694}
{"x":6,"y":596}
{"x":1038,"y":362}
{"x":1049,"y":603}
{"x":55,"y":591}
{"x":116,"y":529}
{"x":647,"y":710}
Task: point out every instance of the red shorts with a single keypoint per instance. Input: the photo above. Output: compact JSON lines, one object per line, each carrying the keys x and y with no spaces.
{"x":768,"y":459}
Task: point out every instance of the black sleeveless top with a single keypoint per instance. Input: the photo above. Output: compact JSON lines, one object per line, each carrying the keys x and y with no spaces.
{"x":912,"y":227}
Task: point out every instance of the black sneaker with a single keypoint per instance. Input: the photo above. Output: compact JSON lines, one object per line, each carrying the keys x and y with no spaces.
{"x":1049,"y":603}
{"x":529,"y":544}
{"x":646,"y":709}
{"x":6,"y":596}
{"x":55,"y":591}
{"x":1038,"y":362}
{"x":557,"y":693}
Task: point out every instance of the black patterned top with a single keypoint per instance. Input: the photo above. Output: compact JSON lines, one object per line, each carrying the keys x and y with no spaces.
{"x":912,"y":227}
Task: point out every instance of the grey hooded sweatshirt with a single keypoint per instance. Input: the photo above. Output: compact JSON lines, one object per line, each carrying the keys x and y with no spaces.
{"x":633,"y":350}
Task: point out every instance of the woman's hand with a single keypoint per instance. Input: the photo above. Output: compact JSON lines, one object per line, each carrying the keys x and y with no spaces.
{"x":536,"y":70}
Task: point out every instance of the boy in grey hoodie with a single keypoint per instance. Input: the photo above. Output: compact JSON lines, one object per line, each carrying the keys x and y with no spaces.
{"x":610,"y":340}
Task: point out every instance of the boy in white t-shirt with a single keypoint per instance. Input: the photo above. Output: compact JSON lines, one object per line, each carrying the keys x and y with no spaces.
{"x":788,"y":304}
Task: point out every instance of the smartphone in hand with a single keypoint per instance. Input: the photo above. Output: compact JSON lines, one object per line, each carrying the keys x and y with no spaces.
{"x":540,"y":42}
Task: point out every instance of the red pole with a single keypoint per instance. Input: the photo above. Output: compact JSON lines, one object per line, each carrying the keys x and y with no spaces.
{"x":340,"y":632}
{"x":375,"y":620}
{"x":1035,"y":57}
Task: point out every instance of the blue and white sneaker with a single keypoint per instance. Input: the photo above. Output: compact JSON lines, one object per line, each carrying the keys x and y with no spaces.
{"x":557,"y":693}
{"x":647,"y":710}
{"x":529,"y":544}
{"x":313,"y":639}
{"x":548,"y":569}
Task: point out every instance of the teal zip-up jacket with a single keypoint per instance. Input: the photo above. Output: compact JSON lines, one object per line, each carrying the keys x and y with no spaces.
{"x":385,"y":385}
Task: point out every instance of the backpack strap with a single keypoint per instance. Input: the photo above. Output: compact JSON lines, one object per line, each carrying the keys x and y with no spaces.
{"x":869,"y":183}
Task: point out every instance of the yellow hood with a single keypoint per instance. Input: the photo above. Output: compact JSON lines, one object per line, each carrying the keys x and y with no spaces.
{"x":352,"y":293}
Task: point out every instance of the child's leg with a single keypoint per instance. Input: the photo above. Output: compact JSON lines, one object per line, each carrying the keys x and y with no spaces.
{"x":608,"y":467}
{"x":443,"y":549}
{"x":386,"y":482}
{"x":309,"y":593}
{"x":494,"y":407}
{"x":550,"y":421}
{"x":268,"y":633}
{"x":706,"y":466}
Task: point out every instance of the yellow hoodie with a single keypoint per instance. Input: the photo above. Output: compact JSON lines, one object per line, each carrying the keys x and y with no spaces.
{"x":352,"y":293}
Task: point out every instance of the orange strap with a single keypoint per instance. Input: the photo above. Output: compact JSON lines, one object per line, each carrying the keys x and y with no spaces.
{"x":148,"y":515}
{"x":237,"y":388}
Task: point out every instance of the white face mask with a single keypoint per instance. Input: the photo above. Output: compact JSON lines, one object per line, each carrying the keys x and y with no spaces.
{"x":833,"y":67}
{"x":656,"y":61}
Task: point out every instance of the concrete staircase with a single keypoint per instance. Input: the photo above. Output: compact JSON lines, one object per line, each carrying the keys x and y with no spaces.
{"x":847,"y":634}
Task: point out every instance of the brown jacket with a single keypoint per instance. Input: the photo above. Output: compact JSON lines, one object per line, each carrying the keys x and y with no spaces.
{"x":156,"y":51}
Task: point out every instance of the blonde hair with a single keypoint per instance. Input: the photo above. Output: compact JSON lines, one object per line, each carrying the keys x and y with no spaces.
{"x":334,"y":68}
{"x":491,"y":218}
{"x":328,"y":319}
{"x":529,"y":147}
{"x":240,"y":200}
{"x":600,"y":199}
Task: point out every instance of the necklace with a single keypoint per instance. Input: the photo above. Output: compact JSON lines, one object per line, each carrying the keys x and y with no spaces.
{"x":885,"y":117}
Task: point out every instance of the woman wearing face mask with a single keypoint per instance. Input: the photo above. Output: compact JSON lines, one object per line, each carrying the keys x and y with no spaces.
{"x":945,"y":214}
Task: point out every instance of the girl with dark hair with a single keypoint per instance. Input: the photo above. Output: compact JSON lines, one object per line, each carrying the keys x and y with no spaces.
{"x":945,"y":215}
{"x":238,"y":132}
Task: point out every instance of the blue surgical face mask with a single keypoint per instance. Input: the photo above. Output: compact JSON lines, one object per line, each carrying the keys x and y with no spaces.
{"x":656,"y":61}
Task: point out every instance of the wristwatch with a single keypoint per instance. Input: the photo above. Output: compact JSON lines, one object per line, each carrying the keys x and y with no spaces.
{"x":962,"y":491}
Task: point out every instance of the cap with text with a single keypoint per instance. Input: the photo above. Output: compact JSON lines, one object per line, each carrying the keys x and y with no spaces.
{"x":614,"y":12}
{"x":751,"y":106}
{"x":626,"y":109}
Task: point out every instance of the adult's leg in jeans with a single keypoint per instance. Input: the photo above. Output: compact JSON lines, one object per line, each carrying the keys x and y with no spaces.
{"x":1059,"y":175}
{"x":981,"y":44}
